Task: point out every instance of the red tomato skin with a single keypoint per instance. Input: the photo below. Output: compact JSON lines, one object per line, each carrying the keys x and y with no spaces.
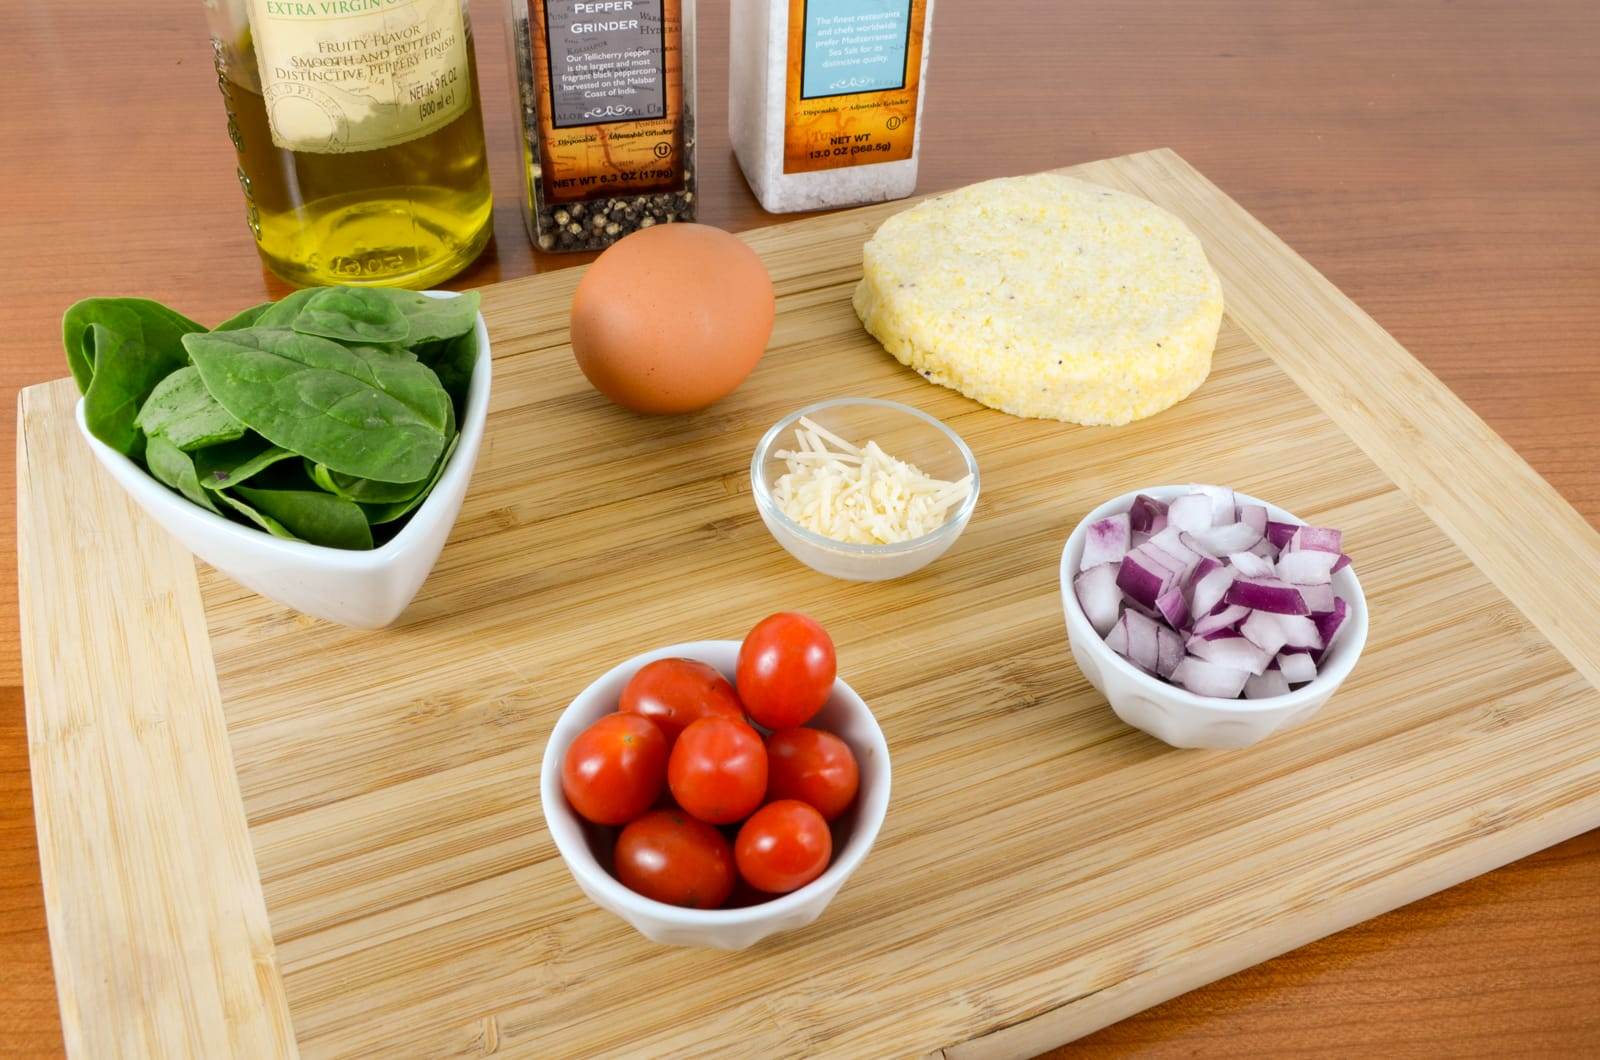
{"x":813,"y":766}
{"x":783,"y":846}
{"x":674,"y":692}
{"x":786,"y":670}
{"x":674,"y":858}
{"x":718,"y":770}
{"x":615,"y":770}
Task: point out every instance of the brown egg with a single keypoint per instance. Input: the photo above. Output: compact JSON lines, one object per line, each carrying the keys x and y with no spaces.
{"x":672,"y":317}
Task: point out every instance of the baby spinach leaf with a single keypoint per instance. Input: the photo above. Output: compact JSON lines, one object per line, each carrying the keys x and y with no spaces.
{"x":172,"y":467}
{"x":453,"y":360}
{"x":221,"y":466}
{"x":281,"y":314}
{"x":118,"y":350}
{"x":265,"y":522}
{"x":437,"y":318}
{"x":352,"y":314}
{"x":312,"y":516}
{"x":245,"y":319}
{"x":378,"y":514}
{"x":364,"y":490}
{"x":364,"y":412}
{"x":184,"y":412}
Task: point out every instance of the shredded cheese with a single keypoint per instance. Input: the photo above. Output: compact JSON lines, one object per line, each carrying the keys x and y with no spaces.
{"x":860,"y":494}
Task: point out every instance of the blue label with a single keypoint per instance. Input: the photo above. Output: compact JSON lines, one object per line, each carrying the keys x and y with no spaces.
{"x":854,"y":46}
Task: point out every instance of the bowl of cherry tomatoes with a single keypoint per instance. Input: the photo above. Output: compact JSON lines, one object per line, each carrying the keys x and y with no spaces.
{"x":716,"y":792}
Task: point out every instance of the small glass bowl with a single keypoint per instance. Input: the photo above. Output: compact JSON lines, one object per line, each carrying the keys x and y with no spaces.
{"x":903,"y":432}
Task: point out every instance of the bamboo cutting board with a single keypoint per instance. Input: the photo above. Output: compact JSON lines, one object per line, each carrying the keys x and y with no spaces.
{"x":265,"y":835}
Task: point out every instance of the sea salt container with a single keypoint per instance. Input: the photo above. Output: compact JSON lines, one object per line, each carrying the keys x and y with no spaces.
{"x":825,"y":98}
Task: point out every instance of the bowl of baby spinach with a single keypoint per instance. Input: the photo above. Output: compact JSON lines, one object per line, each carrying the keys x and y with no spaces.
{"x":315,"y":449}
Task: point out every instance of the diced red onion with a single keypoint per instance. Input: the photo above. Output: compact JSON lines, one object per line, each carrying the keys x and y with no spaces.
{"x":1142,"y":580}
{"x":1265,"y":594}
{"x":1307,"y":567}
{"x":1143,"y":650}
{"x":1211,"y":594}
{"x":1229,"y":537}
{"x":1266,"y":685}
{"x":1117,"y":639}
{"x":1222,"y":503}
{"x":1209,"y":590}
{"x":1299,"y":632}
{"x":1317,"y":597}
{"x":1106,"y":541}
{"x":1329,"y":623}
{"x":1208,"y":679}
{"x":1297,"y":667}
{"x":1263,"y":630}
{"x":1169,"y":652}
{"x":1236,"y":653}
{"x":1316,"y":539}
{"x":1265,"y":550}
{"x":1173,"y":607}
{"x":1227,"y":618}
{"x":1145,"y":511}
{"x":1190,"y":513}
{"x":1099,"y":596}
{"x":1250,"y":565}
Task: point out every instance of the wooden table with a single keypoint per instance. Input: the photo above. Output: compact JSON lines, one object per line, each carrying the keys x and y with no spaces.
{"x":1438,"y":160}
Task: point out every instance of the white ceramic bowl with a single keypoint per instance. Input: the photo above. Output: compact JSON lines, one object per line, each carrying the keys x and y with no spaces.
{"x":366,"y":590}
{"x":903,"y":432}
{"x":845,"y":715}
{"x":1176,"y":715}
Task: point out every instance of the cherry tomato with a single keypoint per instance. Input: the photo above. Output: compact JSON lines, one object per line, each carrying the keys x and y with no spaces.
{"x":674,"y":692}
{"x":671,"y":857}
{"x":614,"y":770}
{"x":718,"y":770}
{"x":786,"y":670}
{"x":783,"y":846}
{"x":813,"y":766}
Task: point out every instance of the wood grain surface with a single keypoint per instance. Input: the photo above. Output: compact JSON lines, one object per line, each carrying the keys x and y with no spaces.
{"x":416,"y":906}
{"x":1436,"y":160}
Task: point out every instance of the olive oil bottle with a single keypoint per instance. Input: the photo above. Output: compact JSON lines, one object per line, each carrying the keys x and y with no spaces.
{"x":359,"y":134}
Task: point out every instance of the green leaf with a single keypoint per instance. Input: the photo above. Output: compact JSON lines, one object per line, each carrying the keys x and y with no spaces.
{"x":352,"y":315}
{"x":267,"y":523}
{"x":248,"y":318}
{"x":432,"y":319}
{"x":378,"y":514}
{"x":365,"y":412}
{"x":221,"y":466}
{"x":118,"y":350}
{"x":184,"y":412}
{"x":363,"y":490}
{"x":453,"y":360}
{"x":312,"y":516}
{"x":172,"y":467}
{"x":281,"y":314}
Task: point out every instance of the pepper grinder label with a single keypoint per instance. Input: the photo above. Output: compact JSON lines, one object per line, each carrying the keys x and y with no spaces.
{"x":854,"y":71}
{"x":609,"y":79}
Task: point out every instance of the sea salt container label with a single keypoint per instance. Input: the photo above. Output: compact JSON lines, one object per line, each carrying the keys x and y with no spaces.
{"x":853,"y":75}
{"x":609,"y":80}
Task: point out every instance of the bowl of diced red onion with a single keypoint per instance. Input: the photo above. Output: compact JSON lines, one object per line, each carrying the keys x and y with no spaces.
{"x":1209,"y":618}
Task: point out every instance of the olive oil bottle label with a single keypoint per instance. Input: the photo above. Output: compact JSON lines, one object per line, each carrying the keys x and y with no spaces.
{"x":608,"y":75}
{"x":853,"y":75}
{"x":355,"y":75}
